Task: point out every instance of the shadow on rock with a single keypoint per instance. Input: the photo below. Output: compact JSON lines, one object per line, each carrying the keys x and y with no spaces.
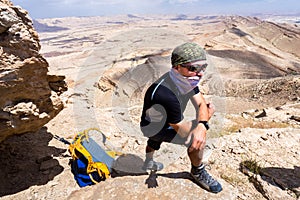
{"x":131,"y":165}
{"x":27,"y":160}
{"x":152,"y":182}
{"x":128,"y":165}
{"x":258,"y":65}
{"x":283,"y":177}
{"x":178,"y":175}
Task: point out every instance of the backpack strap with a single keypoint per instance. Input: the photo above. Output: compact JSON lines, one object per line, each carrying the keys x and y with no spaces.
{"x":99,"y":160}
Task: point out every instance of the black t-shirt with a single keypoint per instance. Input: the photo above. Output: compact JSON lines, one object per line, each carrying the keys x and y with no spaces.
{"x":163,"y":104}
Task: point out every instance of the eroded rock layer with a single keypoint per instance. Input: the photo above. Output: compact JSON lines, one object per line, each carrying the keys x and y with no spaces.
{"x":29,"y":96}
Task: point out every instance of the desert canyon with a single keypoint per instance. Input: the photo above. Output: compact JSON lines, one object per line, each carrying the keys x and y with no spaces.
{"x":61,"y":76}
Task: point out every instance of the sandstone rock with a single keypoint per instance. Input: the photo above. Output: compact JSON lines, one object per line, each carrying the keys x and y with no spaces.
{"x":169,"y":186}
{"x":296,"y":118}
{"x":29,"y":98}
{"x":254,"y":113}
{"x":7,"y":2}
{"x":269,"y":166}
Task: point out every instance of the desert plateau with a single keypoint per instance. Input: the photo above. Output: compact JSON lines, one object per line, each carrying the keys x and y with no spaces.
{"x":60,"y":76}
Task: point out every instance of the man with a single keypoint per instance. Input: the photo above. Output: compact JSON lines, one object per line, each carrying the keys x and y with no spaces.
{"x":162,"y":116}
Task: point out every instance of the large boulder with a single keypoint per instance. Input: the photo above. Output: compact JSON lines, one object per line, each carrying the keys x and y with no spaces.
{"x":29,"y":95}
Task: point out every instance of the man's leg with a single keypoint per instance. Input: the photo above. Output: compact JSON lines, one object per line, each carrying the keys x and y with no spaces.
{"x":149,"y":163}
{"x":199,"y":173}
{"x":196,"y":156}
{"x":149,"y":152}
{"x":153,"y":144}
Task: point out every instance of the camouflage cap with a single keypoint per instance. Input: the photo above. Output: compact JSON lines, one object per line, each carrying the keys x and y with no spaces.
{"x":187,"y":52}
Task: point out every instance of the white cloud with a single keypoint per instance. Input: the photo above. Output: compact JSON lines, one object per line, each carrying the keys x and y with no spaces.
{"x":61,"y":8}
{"x":181,"y":1}
{"x":129,"y":4}
{"x":104,"y":2}
{"x":134,"y":2}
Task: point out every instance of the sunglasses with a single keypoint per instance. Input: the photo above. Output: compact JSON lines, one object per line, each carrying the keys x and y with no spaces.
{"x":195,"y":67}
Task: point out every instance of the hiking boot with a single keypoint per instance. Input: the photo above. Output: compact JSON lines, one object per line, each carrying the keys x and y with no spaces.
{"x":203,"y":179}
{"x":152,"y":165}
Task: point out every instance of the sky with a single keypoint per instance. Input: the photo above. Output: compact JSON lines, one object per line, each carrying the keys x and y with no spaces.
{"x":65,"y":8}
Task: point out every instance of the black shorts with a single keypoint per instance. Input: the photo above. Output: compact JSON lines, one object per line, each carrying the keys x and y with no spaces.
{"x":166,"y":135}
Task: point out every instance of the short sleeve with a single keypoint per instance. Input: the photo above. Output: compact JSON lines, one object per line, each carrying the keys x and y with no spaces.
{"x":169,"y":101}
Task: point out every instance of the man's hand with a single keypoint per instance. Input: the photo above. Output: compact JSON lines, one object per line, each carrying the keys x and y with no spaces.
{"x":198,"y":137}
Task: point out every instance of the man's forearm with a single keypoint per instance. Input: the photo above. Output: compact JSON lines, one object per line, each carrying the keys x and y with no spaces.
{"x":184,"y":128}
{"x":203,"y":112}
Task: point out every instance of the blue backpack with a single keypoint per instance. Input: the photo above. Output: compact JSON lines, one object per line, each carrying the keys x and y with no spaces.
{"x":90,"y":162}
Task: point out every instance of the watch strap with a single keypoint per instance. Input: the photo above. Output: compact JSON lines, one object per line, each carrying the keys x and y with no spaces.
{"x":205,"y":123}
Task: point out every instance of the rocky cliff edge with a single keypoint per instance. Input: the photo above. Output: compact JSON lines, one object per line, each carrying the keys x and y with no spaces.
{"x":29,"y":95}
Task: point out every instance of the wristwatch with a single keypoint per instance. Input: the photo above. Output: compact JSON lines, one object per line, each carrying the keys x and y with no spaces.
{"x":205,"y":123}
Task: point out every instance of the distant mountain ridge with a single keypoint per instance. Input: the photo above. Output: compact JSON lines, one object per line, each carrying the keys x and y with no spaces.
{"x":40,"y":27}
